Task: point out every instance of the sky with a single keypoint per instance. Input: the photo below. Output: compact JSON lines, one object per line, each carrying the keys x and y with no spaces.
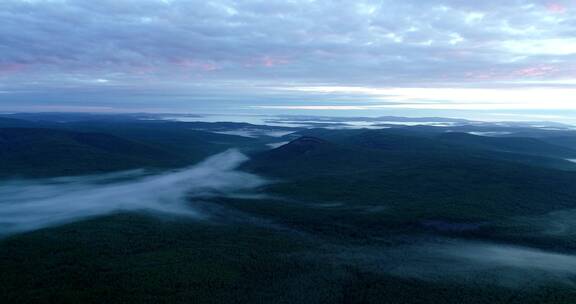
{"x":492,"y":59}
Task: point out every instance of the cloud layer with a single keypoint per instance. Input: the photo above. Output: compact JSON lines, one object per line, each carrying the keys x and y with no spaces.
{"x":33,"y":204}
{"x":187,"y":54}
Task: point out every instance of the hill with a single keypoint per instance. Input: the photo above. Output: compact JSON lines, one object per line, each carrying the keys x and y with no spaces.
{"x":47,"y":152}
{"x":412,"y":183}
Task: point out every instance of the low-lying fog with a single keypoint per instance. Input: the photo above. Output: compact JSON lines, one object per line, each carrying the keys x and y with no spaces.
{"x":32,"y":204}
{"x":463,"y":262}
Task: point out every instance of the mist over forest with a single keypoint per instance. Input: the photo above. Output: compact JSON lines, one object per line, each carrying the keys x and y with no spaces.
{"x":296,"y":209}
{"x":283,"y":152}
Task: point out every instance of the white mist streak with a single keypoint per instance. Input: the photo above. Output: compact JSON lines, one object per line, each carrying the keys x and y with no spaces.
{"x":464,"y":262}
{"x":32,"y":204}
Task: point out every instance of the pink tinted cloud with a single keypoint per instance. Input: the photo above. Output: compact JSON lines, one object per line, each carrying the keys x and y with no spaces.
{"x":196,"y":65}
{"x":185,"y":63}
{"x":266,"y":61}
{"x":207,"y":67}
{"x":536,"y":71}
{"x":142,"y":70}
{"x":556,"y":8}
{"x":11,"y":68}
{"x":506,"y":74}
{"x":483,"y":75}
{"x":270,"y":61}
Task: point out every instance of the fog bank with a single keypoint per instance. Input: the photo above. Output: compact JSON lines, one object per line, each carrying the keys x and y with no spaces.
{"x":33,"y":204}
{"x":462,"y":262}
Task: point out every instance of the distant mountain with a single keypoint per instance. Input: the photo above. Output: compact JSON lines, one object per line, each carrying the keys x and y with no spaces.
{"x":181,"y":138}
{"x":56,"y":117}
{"x":14,"y":123}
{"x":312,"y":156}
{"x":430,"y":142}
{"x":75,"y":147}
{"x":41,"y":152}
{"x":301,"y":146}
{"x":97,"y":147}
{"x":568,"y":141}
{"x":405,"y":215}
{"x":399,"y":173}
{"x":520,"y":145}
{"x":421,"y":119}
{"x":373,"y":119}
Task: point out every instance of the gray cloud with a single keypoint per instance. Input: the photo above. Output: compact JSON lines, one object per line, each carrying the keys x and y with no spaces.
{"x":33,"y":204}
{"x":87,"y":53}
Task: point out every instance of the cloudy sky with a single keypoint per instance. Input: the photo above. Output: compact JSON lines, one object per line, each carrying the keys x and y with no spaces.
{"x":491,"y":58}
